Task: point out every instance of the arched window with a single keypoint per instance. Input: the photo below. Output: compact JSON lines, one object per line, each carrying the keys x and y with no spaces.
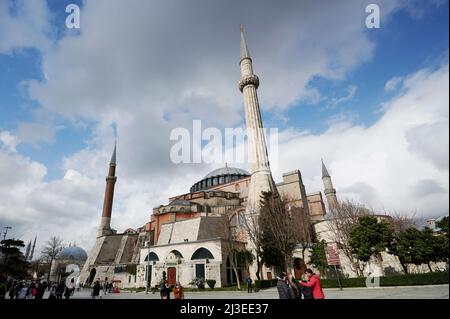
{"x":177,"y":253}
{"x":202,"y":253}
{"x":152,"y":257}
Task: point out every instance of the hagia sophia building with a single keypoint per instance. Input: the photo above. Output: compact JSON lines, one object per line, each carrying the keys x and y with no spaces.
{"x":186,"y":239}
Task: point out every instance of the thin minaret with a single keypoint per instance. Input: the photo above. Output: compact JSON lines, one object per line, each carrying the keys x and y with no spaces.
{"x":32,"y":249}
{"x":261,"y":179}
{"x":27,"y":250}
{"x":329,"y":190}
{"x":105,"y":225}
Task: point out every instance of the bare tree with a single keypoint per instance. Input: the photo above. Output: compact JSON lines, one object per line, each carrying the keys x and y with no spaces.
{"x":299,"y":225}
{"x":342,"y":218}
{"x":279,"y":231}
{"x":401,"y":222}
{"x":52,"y":248}
{"x":230,"y":230}
{"x":250,"y":224}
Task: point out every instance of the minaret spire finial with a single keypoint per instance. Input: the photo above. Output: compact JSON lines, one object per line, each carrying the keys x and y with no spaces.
{"x":324,"y":170}
{"x":113,"y":156}
{"x":244,"y":49}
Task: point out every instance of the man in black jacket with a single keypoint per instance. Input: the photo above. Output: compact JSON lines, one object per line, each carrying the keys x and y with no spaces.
{"x":282,"y":287}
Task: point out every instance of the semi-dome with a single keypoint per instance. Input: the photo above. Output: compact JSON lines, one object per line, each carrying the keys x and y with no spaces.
{"x":73,"y":253}
{"x":218,"y":177}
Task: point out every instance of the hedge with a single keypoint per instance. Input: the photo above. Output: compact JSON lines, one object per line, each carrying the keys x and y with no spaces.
{"x":262,"y":284}
{"x":433,"y":278}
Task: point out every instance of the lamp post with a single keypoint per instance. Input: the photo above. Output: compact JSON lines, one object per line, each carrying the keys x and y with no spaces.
{"x":147,"y":270}
{"x":6,"y":231}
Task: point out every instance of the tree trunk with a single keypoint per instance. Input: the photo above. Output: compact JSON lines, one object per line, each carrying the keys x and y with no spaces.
{"x":258,"y":267}
{"x":429,"y":267}
{"x":405,"y":268}
{"x":233,"y":265}
{"x":50,"y":270}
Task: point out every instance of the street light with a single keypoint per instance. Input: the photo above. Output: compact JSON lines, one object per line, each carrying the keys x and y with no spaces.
{"x":147,"y":270}
{"x":6,"y":231}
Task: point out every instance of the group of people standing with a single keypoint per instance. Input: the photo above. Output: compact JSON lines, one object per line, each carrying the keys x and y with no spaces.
{"x":35,"y":289}
{"x":101,"y":289}
{"x":166,"y":290}
{"x":311,"y":288}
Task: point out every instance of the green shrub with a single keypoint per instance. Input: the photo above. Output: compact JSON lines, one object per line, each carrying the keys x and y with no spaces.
{"x":431,"y":278}
{"x":211,"y":283}
{"x":434,"y":278}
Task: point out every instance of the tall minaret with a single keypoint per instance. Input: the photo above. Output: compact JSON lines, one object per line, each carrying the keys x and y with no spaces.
{"x":261,"y":179}
{"x":329,"y":190}
{"x":32,"y":249}
{"x":27,"y":250}
{"x":105,"y":225}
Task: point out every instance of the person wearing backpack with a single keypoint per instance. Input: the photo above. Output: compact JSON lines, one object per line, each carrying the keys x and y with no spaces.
{"x":60,"y":290}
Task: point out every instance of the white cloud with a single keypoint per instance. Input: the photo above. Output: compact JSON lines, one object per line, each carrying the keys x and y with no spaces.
{"x":135,"y":68}
{"x":393,"y":84}
{"x":8,"y":141}
{"x":24,"y":24}
{"x":387,"y":165}
{"x":351,"y":91}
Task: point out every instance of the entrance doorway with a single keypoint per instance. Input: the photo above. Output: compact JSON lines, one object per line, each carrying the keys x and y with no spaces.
{"x":91,"y":276}
{"x":148,"y":276}
{"x":200,"y":271}
{"x":171,"y":276}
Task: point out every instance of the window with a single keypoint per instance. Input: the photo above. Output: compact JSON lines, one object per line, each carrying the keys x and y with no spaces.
{"x":152,"y":257}
{"x":200,"y":271}
{"x":202,"y":253}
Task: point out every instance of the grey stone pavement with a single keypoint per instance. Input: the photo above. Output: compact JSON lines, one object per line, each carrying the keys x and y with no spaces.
{"x":409,"y":292}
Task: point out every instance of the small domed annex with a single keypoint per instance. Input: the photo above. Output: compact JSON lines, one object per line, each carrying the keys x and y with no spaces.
{"x":218,"y":177}
{"x":73,"y":253}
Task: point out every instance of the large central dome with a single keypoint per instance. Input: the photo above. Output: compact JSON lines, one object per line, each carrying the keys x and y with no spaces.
{"x":220,"y":176}
{"x":227,"y":171}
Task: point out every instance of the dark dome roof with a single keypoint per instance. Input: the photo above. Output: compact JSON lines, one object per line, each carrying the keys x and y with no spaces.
{"x":218,"y":177}
{"x":73,"y":253}
{"x":227,"y":171}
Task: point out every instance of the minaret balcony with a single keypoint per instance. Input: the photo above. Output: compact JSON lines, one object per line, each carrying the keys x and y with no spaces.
{"x":250,"y":79}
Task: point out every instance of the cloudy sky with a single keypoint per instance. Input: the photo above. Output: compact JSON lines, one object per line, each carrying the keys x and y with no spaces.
{"x":372,"y":102}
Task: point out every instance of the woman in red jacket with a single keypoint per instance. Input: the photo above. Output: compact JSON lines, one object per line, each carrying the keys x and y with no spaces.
{"x":314,"y":283}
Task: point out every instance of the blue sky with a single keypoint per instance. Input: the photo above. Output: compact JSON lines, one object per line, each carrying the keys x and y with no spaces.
{"x":407,"y":44}
{"x":132,"y":68}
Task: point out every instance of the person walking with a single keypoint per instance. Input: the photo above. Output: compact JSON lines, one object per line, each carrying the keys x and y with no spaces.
{"x":52,"y":289}
{"x":60,"y":290}
{"x":69,"y":289}
{"x":165,"y":292}
{"x":22,"y":291}
{"x":41,"y":289}
{"x":105,"y":286}
{"x":249,"y":285}
{"x":282,"y":287}
{"x":13,"y":290}
{"x":178,"y":291}
{"x":96,"y":290}
{"x":314,"y":284}
{"x":294,"y":292}
{"x":32,"y":291}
